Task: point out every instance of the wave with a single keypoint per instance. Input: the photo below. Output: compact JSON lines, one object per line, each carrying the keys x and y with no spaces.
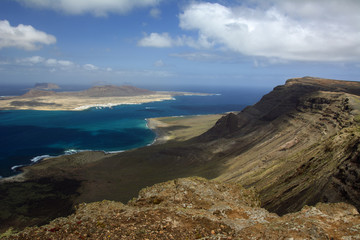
{"x":39,"y":158}
{"x":14,"y":168}
{"x":110,"y":152}
{"x":73,"y":151}
{"x":33,"y":161}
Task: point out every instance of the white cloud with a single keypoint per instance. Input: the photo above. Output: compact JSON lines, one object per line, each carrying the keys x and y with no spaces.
{"x":65,"y":63}
{"x":43,"y":62}
{"x":51,"y":62}
{"x":164,"y":40}
{"x":31,"y":60}
{"x":157,"y":40}
{"x":200,"y":56}
{"x":159,"y":63}
{"x":23,"y":36}
{"x":55,"y":64}
{"x":155,"y":13}
{"x":90,"y":67}
{"x":95,"y":7}
{"x":324,"y":30}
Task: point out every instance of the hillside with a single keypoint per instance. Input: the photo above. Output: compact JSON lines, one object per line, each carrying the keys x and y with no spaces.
{"x":299,"y":145}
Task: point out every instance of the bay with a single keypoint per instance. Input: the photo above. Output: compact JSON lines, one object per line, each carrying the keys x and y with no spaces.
{"x":31,"y":135}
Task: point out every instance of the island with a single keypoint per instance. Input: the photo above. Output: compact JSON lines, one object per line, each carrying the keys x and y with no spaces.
{"x":97,"y":96}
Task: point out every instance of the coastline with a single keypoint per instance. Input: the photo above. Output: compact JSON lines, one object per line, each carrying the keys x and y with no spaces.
{"x":80,"y":103}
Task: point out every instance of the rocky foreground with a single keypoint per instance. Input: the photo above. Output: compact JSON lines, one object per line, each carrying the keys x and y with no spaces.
{"x":195,"y":208}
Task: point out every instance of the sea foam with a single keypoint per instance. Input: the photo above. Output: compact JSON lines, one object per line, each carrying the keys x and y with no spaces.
{"x":39,"y":158}
{"x":13,"y":168}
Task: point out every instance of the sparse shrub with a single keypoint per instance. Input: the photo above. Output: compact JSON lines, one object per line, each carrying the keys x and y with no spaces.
{"x":8,"y":233}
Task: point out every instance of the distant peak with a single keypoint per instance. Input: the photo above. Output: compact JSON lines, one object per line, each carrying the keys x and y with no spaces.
{"x":46,"y":86}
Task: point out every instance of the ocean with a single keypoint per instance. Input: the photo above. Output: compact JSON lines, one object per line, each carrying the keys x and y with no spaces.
{"x":28,"y":136}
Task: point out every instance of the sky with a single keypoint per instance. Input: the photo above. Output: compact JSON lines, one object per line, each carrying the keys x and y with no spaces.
{"x":184,"y":42}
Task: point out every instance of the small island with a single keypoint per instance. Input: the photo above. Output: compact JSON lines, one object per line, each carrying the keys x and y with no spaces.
{"x":43,"y":98}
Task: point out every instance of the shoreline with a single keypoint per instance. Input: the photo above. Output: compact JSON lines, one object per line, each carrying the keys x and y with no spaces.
{"x":80,"y":103}
{"x":162,"y":127}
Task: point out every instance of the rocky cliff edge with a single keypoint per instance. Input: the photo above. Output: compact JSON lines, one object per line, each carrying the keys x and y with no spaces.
{"x":195,"y":208}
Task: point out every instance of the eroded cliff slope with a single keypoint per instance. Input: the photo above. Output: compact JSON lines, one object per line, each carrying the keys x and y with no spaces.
{"x":298,"y":145}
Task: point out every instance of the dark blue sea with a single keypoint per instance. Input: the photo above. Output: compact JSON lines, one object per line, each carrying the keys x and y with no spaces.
{"x":27,"y":136}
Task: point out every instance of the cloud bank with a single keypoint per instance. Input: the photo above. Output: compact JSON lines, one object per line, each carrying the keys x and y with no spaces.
{"x":95,"y":7}
{"x":323,"y":30}
{"x":23,"y":36}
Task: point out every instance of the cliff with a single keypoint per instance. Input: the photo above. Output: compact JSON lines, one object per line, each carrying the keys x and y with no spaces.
{"x":194,"y":208}
{"x":298,"y":145}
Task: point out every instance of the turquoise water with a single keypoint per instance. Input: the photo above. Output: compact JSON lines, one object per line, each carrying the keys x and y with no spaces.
{"x":26,"y":136}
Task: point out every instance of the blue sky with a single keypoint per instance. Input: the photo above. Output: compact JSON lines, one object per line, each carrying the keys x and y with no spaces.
{"x":168,"y":42}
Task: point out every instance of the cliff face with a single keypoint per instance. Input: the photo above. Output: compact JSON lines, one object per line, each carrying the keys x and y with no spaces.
{"x":194,"y":208}
{"x":298,"y":145}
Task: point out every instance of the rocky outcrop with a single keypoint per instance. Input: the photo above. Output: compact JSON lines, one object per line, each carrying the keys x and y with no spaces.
{"x":194,"y":208}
